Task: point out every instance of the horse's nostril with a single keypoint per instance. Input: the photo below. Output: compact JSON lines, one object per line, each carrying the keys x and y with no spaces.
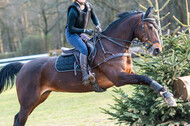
{"x":156,"y":51}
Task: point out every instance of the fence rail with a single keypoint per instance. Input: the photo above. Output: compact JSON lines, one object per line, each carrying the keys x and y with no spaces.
{"x":22,"y":59}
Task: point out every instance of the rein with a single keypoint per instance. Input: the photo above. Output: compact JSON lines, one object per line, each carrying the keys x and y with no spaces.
{"x":114,"y":40}
{"x":113,"y":56}
{"x":152,"y":21}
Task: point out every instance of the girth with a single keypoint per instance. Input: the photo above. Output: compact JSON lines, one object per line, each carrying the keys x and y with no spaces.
{"x":112,"y":57}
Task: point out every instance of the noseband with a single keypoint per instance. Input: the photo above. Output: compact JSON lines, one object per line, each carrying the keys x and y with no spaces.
{"x":147,"y":40}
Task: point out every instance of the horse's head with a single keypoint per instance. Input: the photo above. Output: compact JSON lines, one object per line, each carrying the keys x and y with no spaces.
{"x":148,"y":32}
{"x":133,"y":24}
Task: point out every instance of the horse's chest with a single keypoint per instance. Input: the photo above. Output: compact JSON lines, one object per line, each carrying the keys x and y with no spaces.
{"x":128,"y":66}
{"x":125,"y":64}
{"x":122,"y":63}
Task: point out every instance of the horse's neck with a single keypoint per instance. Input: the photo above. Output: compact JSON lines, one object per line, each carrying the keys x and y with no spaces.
{"x":124,"y":31}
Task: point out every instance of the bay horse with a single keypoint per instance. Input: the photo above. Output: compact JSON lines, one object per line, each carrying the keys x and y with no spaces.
{"x":112,"y":66}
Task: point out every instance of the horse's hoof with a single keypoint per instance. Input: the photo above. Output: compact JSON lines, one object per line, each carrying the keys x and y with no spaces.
{"x":169,"y":99}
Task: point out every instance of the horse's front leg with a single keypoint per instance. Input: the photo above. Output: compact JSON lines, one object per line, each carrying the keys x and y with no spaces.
{"x":125,"y":78}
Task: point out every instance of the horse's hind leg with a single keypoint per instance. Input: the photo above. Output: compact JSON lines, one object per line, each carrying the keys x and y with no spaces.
{"x":16,"y":121}
{"x":27,"y":101}
{"x":27,"y":108}
{"x":43,"y":97}
{"x":29,"y":97}
{"x":21,"y":117}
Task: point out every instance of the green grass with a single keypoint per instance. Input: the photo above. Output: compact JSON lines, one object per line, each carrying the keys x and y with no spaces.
{"x":62,"y":109}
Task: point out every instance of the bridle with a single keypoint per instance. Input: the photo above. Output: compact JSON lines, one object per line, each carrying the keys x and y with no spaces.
{"x":147,"y":41}
{"x":98,"y":36}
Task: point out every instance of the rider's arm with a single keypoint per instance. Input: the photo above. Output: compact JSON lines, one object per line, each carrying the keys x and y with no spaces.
{"x":94,"y":17}
{"x":73,"y":14}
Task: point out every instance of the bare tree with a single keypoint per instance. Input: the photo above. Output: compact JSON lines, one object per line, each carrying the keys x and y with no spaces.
{"x":47,"y":19}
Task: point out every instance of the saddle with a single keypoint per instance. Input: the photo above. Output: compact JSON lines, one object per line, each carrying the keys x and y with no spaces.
{"x":69,"y":59}
{"x":70,"y":51}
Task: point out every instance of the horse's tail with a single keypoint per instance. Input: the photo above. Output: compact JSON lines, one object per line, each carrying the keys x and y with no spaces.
{"x":7,"y":75}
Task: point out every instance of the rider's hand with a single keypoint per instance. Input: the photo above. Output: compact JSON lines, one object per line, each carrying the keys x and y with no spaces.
{"x":88,"y":31}
{"x":98,"y":27}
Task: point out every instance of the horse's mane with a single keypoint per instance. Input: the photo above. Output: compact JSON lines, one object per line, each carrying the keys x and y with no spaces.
{"x":121,"y":17}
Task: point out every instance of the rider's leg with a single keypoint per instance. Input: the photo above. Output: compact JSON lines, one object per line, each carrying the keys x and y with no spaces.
{"x":87,"y":77}
{"x":77,"y":42}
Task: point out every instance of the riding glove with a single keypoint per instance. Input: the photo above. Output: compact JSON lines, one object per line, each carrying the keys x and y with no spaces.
{"x":88,"y":31}
{"x":98,"y":27}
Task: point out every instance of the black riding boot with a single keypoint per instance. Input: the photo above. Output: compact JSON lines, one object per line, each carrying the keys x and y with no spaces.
{"x":87,"y":77}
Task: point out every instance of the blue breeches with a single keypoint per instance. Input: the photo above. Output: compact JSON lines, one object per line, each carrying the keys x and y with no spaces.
{"x":76,"y":42}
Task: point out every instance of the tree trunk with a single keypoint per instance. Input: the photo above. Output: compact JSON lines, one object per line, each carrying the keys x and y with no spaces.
{"x":45,"y":30}
{"x":1,"y":46}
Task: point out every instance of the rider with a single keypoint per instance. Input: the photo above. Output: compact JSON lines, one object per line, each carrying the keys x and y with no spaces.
{"x":78,"y":15}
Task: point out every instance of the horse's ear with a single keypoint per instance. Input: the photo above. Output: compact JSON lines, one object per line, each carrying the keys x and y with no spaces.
{"x":151,"y":10}
{"x":148,"y":12}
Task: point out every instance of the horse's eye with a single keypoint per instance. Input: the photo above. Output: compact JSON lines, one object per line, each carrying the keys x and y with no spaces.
{"x":150,"y":27}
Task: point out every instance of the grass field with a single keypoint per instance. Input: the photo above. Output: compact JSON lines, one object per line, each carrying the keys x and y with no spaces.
{"x":62,"y":109}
